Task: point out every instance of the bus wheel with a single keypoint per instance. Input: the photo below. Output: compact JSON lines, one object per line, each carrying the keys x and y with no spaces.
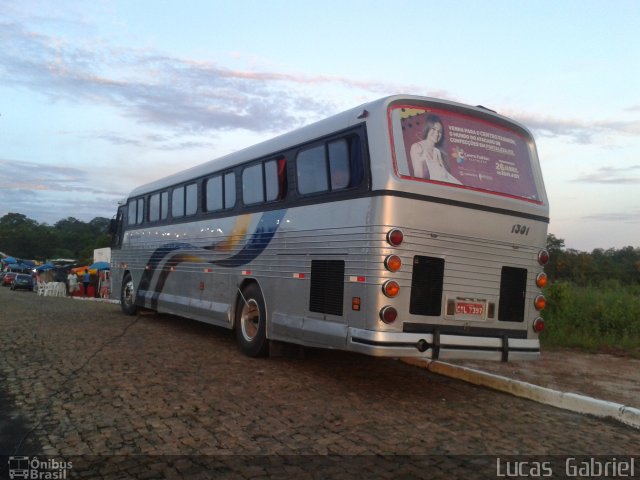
{"x":128,"y":296}
{"x":251,"y":323}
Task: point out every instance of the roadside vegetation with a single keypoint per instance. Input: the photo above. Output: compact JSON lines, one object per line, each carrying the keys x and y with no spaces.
{"x":593,"y":299}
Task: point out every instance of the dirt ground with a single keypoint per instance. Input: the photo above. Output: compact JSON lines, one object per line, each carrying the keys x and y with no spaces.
{"x":614,"y":378}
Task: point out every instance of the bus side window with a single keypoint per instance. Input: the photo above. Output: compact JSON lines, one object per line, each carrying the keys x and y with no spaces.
{"x":154,"y":207}
{"x":184,"y":200}
{"x":276,"y":179}
{"x":164,"y":205}
{"x":264,"y":182}
{"x":220,"y":192}
{"x":177,"y":202}
{"x":136,"y":212}
{"x":356,"y":162}
{"x":131,"y":215}
{"x":213,"y":191}
{"x":229,"y":190}
{"x":311,"y":170}
{"x":252,"y":186}
{"x":333,"y":166}
{"x":140,"y":211}
{"x":158,"y":206}
{"x":191,"y":199}
{"x":339,"y":164}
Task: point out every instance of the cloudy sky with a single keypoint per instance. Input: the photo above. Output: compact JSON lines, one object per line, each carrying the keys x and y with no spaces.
{"x":98,"y":97}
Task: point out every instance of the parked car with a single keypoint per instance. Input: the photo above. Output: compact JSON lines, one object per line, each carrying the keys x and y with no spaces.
{"x":2,"y":274}
{"x":22,"y":282}
{"x":8,"y":278}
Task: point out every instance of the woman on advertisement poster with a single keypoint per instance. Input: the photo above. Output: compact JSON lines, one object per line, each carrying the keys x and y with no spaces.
{"x":426,"y":156}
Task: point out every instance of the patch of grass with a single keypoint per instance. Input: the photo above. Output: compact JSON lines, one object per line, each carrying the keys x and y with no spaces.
{"x":604,"y":318}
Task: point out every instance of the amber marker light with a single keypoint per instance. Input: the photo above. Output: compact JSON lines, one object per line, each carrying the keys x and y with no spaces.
{"x":540,"y":302}
{"x":393,"y":263}
{"x":542,"y":280}
{"x":355,"y":303}
{"x":390,"y":288}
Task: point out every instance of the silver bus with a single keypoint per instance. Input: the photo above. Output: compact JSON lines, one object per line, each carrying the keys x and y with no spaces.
{"x":405,"y":227}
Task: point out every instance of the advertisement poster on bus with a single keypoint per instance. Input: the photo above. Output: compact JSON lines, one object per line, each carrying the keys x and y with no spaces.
{"x":446,"y":147}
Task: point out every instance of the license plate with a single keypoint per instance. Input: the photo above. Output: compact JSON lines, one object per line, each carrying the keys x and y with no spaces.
{"x":469,"y":308}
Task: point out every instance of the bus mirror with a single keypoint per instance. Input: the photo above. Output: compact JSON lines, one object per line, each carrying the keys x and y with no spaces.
{"x":113,"y":226}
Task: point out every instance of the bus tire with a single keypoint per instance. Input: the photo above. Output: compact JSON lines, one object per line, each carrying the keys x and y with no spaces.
{"x":128,"y":296}
{"x":251,"y":322}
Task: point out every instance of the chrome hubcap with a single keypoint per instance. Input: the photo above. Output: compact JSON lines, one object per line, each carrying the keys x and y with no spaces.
{"x":250,"y":320}
{"x":127,"y":293}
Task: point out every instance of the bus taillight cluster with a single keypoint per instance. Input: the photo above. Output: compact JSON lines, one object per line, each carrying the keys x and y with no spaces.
{"x":540,"y":302}
{"x":391,"y":288}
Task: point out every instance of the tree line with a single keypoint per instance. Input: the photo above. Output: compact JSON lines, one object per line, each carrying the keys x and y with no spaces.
{"x":592,"y":269}
{"x":24,"y":238}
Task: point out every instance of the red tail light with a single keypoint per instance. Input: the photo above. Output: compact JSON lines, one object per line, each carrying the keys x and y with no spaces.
{"x":538,"y":325}
{"x":388,"y":314}
{"x":540,"y":302}
{"x":395,"y":237}
{"x":543,"y":257}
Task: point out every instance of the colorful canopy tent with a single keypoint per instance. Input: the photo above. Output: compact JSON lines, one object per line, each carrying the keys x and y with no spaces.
{"x":21,"y":263}
{"x":45,"y":267}
{"x":20,"y":267}
{"x":80,"y":270}
{"x":99,"y":266}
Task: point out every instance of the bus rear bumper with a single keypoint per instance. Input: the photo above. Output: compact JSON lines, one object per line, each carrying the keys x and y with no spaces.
{"x":441,"y":346}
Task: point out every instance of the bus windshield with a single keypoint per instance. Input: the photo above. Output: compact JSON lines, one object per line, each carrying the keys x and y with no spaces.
{"x":439,"y":146}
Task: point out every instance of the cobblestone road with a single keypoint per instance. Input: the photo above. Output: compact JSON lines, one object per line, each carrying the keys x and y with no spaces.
{"x":172,"y":398}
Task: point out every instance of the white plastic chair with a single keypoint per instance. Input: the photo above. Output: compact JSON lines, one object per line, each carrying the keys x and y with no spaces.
{"x":42,"y":287}
{"x":50,"y":289}
{"x":61,"y":289}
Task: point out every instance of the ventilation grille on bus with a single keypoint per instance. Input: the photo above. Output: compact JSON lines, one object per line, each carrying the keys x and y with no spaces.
{"x":426,"y":286}
{"x":327,"y":286}
{"x":513,"y":289}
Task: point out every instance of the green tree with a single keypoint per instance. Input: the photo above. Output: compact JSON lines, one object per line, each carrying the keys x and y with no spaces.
{"x":25,"y":238}
{"x":20,"y":236}
{"x":582,"y":268}
{"x":555,"y":246}
{"x":75,"y":236}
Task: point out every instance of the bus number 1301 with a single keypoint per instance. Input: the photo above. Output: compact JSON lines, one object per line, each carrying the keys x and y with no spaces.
{"x":520,"y":229}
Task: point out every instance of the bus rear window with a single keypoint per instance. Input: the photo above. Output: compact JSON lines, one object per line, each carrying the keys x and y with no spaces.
{"x":438,"y":146}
